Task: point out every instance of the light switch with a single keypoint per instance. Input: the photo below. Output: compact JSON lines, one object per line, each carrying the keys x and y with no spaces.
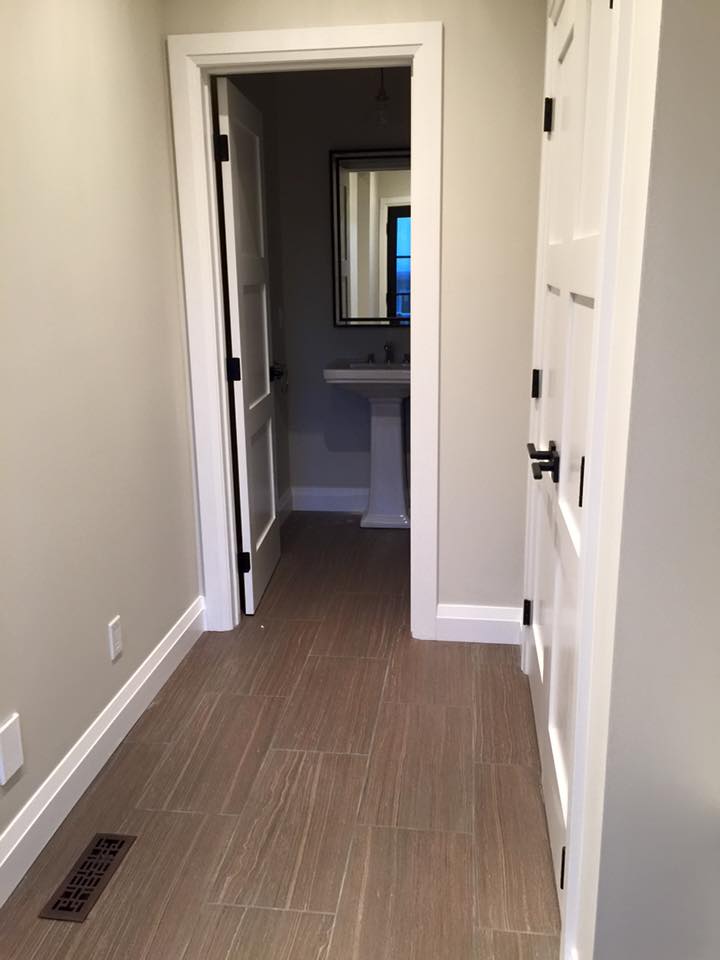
{"x":11,"y":751}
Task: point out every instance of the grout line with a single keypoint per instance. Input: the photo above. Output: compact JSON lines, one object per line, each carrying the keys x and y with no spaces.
{"x":300,"y":852}
{"x":141,"y":791}
{"x":370,"y":593}
{"x":347,"y":656}
{"x":434,"y":831}
{"x":522,"y":933}
{"x":256,"y":906}
{"x":335,"y":656}
{"x":475,"y":892}
{"x":327,"y":753}
{"x":504,"y":763}
{"x":193,"y":812}
{"x":394,"y":826}
{"x":159,"y":914}
{"x":431,"y":703}
{"x":288,"y":699}
{"x":353,"y":838}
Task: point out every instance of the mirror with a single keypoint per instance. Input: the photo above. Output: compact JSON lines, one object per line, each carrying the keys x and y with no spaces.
{"x":371,"y":221}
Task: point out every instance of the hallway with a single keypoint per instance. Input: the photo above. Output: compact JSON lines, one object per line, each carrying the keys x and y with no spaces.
{"x":317,"y":786}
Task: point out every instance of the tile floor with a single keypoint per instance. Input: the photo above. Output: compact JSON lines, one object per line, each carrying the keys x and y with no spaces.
{"x":317,"y":786}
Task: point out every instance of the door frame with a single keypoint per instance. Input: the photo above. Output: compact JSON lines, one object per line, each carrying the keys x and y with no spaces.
{"x":193,"y":59}
{"x":634,"y":75}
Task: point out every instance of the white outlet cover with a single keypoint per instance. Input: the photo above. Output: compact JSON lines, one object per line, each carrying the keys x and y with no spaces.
{"x":115,"y":638}
{"x":11,"y":751}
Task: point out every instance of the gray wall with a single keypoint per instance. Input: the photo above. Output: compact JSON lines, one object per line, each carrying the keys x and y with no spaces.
{"x":306,"y":115}
{"x":492,"y":91}
{"x":96,"y":488}
{"x":660,"y":866}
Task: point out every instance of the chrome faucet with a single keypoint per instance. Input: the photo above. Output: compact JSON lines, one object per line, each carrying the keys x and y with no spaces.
{"x":389,"y":350}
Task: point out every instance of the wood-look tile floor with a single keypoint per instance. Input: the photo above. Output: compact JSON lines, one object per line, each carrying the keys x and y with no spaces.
{"x":317,"y":786}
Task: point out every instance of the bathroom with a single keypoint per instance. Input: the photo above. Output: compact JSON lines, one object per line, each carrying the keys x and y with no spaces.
{"x":324,"y":135}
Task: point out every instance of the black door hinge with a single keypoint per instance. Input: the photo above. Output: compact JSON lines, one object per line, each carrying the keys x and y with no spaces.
{"x":527,"y":613}
{"x":562,"y":868}
{"x":233,"y":369}
{"x":536,"y":384}
{"x":548,"y":114}
{"x":244,"y":562}
{"x":582,"y":481}
{"x":222,"y":147}
{"x":612,"y":4}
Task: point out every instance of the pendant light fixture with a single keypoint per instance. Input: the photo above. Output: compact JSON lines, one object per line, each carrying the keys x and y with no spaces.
{"x":381,"y":102}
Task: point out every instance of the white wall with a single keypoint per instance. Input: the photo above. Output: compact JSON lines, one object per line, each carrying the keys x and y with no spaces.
{"x":306,"y":115}
{"x":660,"y":865}
{"x":96,"y":494}
{"x":492,"y":107}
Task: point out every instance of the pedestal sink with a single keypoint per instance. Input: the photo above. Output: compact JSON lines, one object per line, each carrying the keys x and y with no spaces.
{"x":385,"y":386}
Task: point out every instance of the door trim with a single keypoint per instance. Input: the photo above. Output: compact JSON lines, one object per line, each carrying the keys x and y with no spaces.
{"x":193,"y":58}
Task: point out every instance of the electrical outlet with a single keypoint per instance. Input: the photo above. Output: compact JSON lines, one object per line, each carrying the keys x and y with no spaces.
{"x":11,"y":751}
{"x":115,"y":638}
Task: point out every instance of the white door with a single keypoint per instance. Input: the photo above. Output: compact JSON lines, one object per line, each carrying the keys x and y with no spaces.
{"x":573,"y":195}
{"x":247,"y":278}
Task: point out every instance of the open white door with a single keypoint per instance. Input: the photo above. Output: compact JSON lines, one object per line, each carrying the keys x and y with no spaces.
{"x":573,"y":197}
{"x":247,"y":279}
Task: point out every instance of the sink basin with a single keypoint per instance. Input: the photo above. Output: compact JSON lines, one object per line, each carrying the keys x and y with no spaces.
{"x":385,"y":386}
{"x":371,"y":380}
{"x":374,"y":365}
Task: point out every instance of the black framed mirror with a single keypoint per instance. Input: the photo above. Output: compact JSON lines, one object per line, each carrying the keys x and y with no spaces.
{"x":371,"y":233}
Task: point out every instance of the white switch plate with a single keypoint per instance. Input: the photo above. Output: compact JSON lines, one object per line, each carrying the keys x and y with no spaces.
{"x":11,"y":751}
{"x":115,"y":638}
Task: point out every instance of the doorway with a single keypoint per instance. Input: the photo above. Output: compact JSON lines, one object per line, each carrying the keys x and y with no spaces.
{"x":193,"y":61}
{"x":315,"y":250}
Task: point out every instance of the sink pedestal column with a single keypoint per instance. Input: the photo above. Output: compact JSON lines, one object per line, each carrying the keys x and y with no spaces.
{"x":387,"y":504}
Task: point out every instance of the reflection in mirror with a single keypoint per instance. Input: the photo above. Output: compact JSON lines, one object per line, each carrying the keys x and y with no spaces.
{"x":371,"y":236}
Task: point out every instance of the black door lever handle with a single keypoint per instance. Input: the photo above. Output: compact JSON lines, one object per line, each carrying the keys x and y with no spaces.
{"x":552,"y":467}
{"x":545,"y":461}
{"x":548,"y":454}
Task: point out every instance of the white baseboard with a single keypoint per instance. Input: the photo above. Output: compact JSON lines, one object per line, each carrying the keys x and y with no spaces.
{"x":470,"y":623}
{"x":37,"y":821}
{"x":330,"y":499}
{"x":285,"y":505}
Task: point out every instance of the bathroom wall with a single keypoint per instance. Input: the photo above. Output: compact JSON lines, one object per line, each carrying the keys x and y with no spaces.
{"x":492,"y":96}
{"x":324,"y":437}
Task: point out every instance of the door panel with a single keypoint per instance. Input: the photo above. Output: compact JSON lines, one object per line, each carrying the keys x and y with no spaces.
{"x":553,"y":373}
{"x":261,"y":469}
{"x":544,"y":586}
{"x":254,"y":323}
{"x":573,"y":194}
{"x":246,"y":178}
{"x":561,"y":712}
{"x":580,"y":340}
{"x":249,"y":318}
{"x":593,"y":165}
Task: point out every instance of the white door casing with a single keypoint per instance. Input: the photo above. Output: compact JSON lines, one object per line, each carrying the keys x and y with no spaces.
{"x":193,"y":59}
{"x":573,"y":197}
{"x":247,"y":280}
